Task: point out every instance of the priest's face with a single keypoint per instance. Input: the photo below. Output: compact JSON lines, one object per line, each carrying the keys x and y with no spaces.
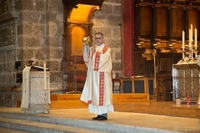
{"x":98,"y":39}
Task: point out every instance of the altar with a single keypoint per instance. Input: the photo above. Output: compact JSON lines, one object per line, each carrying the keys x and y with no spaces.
{"x":186,"y":73}
{"x":186,"y":80}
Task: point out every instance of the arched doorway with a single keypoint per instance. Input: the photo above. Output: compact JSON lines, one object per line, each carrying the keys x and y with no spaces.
{"x":77,"y":25}
{"x":77,"y":33}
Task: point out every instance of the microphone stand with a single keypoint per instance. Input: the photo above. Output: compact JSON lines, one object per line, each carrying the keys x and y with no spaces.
{"x":75,"y":80}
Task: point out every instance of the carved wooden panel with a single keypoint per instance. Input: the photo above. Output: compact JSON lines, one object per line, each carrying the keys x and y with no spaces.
{"x":168,"y":89}
{"x":145,"y":21}
{"x":149,"y":68}
{"x":140,"y":65}
{"x":8,"y":25}
{"x":150,"y":87}
{"x":8,"y":34}
{"x":161,"y":22}
{"x":177,"y":23}
{"x":162,"y":64}
{"x":177,"y":57}
{"x":3,"y":7}
{"x":192,"y":17}
{"x":165,"y":62}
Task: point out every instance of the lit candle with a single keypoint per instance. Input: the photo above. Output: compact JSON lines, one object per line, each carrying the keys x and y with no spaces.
{"x":191,"y":33}
{"x":45,"y":76}
{"x":195,"y":37}
{"x":183,"y":44}
{"x":183,"y":40}
{"x":189,"y":45}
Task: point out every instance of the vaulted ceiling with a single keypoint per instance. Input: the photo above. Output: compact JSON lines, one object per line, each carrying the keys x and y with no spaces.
{"x":82,"y":12}
{"x":87,"y":2}
{"x":81,"y":9}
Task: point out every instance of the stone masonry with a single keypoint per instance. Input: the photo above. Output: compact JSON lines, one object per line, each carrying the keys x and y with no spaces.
{"x":36,"y":34}
{"x":108,"y":21}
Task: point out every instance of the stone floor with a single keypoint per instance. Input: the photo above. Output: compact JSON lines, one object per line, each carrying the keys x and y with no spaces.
{"x":142,"y":120}
{"x":161,"y":108}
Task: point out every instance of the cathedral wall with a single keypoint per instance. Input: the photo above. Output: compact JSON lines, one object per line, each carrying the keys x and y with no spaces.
{"x":41,"y":38}
{"x":39,"y":28}
{"x":108,"y":20}
{"x":37,"y":35}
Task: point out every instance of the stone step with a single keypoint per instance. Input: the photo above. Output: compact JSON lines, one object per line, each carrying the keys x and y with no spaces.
{"x":55,"y":97}
{"x":72,"y":104}
{"x":5,"y":130}
{"x":160,"y":108}
{"x":23,"y":126}
{"x":116,"y":97}
{"x":46,"y":124}
{"x":67,"y":104}
{"x":67,"y":101}
{"x":130,"y":97}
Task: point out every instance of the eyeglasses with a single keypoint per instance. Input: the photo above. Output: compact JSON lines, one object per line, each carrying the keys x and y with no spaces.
{"x":97,"y":38}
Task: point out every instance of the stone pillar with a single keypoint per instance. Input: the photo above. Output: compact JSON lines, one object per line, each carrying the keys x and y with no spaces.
{"x":39,"y":99}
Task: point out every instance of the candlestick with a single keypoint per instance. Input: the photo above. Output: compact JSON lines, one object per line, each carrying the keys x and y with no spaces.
{"x":195,"y":39}
{"x":45,"y":76}
{"x":191,"y":33}
{"x":183,"y":39}
{"x":183,"y":44}
{"x":189,"y":45}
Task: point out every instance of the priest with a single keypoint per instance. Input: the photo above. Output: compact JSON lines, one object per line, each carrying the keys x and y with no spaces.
{"x":97,"y":91}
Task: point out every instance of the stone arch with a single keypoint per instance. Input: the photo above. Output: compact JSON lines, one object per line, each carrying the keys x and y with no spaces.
{"x":77,"y":33}
{"x":77,"y":25}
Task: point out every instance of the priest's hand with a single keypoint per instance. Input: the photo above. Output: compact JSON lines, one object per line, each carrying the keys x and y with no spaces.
{"x":86,"y":40}
{"x":93,"y":49}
